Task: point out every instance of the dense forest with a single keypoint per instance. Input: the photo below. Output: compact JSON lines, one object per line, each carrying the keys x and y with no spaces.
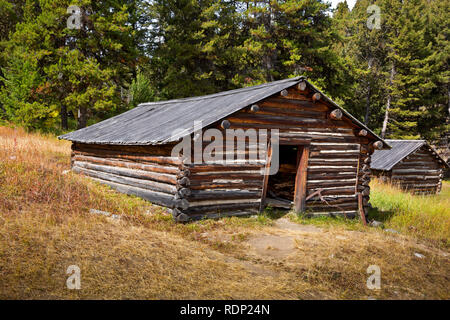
{"x":63,"y":68}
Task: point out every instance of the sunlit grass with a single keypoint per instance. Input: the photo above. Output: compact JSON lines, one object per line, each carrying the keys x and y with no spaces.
{"x":422,"y":216}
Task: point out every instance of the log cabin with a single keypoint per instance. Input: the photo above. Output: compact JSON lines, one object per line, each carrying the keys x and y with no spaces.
{"x":412,"y":165}
{"x":310,"y":154}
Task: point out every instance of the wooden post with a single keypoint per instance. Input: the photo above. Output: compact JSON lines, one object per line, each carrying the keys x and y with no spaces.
{"x":266,"y":178}
{"x":361,"y":209}
{"x":300,"y":181}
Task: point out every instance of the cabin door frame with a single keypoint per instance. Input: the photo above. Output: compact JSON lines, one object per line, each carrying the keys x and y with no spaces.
{"x":301,"y":178}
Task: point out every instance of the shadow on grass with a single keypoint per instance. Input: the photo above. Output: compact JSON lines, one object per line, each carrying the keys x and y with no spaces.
{"x":274,"y":213}
{"x":378,"y":215}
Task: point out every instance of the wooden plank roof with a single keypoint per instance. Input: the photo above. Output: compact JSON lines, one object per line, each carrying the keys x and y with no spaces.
{"x":163,"y":122}
{"x":386,"y":159}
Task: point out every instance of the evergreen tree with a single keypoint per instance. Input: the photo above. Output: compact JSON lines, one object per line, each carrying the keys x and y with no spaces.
{"x":80,"y":71}
{"x":291,"y":38}
{"x":400,"y":71}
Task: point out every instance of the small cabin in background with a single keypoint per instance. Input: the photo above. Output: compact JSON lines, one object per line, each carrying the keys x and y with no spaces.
{"x":413,"y":165}
{"x":322,"y":168}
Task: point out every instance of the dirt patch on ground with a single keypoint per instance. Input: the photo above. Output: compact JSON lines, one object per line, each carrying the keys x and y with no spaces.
{"x":273,"y":245}
{"x":282,"y":240}
{"x":285,"y":224}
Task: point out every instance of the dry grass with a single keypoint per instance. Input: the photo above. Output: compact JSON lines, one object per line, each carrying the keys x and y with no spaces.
{"x":45,"y":226}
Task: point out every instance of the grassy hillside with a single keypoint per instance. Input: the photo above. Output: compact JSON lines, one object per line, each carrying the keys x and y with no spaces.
{"x":46,"y":226}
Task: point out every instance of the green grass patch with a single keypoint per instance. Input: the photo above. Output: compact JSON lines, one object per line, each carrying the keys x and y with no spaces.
{"x":326,"y":221}
{"x":422,"y":216}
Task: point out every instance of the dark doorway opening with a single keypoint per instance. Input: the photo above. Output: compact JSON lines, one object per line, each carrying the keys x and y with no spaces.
{"x":281,"y":186}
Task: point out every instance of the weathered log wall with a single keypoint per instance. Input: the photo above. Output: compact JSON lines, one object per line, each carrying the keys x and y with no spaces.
{"x":146,"y":171}
{"x":420,"y":172}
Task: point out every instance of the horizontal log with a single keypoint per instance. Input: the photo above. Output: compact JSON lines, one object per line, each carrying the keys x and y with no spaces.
{"x":222,"y":208}
{"x":253,"y":175}
{"x":338,"y":153}
{"x":415,"y":171}
{"x":333,"y":199}
{"x":131,"y":157}
{"x":222,"y":202}
{"x":418,"y":167}
{"x":242,"y":213}
{"x":275,"y":109}
{"x":347,"y":213}
{"x":152,"y":196}
{"x":343,"y":207}
{"x":416,"y":185}
{"x":294,"y":104}
{"x":317,"y":155}
{"x":150,"y":150}
{"x":334,"y":146}
{"x":333,"y":191}
{"x":223,"y":194}
{"x":322,"y":138}
{"x":415,"y":178}
{"x":331,"y":183}
{"x":139,"y":174}
{"x":144,"y":184}
{"x":282,"y":120}
{"x":332,"y":170}
{"x":206,"y":169}
{"x":328,"y":176}
{"x":344,"y":162}
{"x":127,"y":164}
{"x":256,"y":184}
{"x":236,"y":124}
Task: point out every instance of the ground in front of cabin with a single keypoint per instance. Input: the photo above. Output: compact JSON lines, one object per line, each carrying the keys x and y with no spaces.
{"x":46,"y":226}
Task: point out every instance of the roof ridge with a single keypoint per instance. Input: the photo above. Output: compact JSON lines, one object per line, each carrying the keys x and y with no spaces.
{"x":220,"y":94}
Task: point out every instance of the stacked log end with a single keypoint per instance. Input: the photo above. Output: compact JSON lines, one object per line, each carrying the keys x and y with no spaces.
{"x":364,"y":175}
{"x":181,"y":202}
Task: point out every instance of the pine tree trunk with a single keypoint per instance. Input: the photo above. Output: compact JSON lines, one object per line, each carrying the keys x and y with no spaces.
{"x":366,"y":117}
{"x":448,"y":104}
{"x":64,"y":124}
{"x":82,"y":117}
{"x":368,"y":95}
{"x":388,"y":104}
